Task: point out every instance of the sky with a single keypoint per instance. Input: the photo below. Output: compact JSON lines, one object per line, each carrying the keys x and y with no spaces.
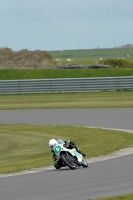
{"x":65,"y":24}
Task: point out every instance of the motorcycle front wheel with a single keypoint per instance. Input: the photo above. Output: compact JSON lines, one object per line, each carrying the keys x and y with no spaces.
{"x":67,"y":160}
{"x":84,"y":163}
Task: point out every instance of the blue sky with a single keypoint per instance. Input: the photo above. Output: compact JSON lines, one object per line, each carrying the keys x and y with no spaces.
{"x":65,"y":24}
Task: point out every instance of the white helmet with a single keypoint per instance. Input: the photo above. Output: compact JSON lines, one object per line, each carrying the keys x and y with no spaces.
{"x":52,"y":143}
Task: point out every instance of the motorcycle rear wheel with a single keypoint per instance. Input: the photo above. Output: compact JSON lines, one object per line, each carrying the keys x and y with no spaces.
{"x":66,"y":159}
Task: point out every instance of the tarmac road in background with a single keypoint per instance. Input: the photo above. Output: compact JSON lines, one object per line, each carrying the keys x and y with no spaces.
{"x":109,"y":118}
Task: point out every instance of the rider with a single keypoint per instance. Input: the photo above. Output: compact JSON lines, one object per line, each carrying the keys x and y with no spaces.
{"x":68,"y":144}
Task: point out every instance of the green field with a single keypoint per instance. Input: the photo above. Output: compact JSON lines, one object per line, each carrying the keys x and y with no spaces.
{"x":67,"y":100}
{"x":92,"y":54}
{"x":18,"y":74}
{"x":125,"y":197}
{"x":23,"y":146}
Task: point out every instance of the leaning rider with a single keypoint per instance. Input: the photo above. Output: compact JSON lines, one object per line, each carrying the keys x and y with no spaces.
{"x":68,"y":144}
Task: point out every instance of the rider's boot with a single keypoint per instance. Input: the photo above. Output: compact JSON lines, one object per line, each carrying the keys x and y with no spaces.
{"x":56,"y":164}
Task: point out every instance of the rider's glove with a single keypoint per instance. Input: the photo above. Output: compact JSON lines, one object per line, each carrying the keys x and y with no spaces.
{"x":67,"y":143}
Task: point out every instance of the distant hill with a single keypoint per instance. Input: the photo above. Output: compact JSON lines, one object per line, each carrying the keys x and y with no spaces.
{"x":92,"y":54}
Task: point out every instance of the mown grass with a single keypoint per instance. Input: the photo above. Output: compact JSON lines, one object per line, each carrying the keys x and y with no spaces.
{"x":23,"y":146}
{"x":70,"y":100}
{"x":124,"y":197}
{"x":84,"y":54}
{"x":75,"y":62}
{"x":18,"y":74}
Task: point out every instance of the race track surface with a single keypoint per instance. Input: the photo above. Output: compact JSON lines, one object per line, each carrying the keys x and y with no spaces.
{"x":101,"y":179}
{"x":109,"y":118}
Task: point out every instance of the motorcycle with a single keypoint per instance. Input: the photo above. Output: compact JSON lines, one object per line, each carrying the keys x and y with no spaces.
{"x":69,"y":157}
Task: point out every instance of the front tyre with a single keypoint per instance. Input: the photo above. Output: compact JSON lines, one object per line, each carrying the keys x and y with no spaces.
{"x":84,"y":163}
{"x":67,"y":160}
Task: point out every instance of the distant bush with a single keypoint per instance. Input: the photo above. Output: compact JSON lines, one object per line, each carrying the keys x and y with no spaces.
{"x":24,"y":59}
{"x":123,"y":63}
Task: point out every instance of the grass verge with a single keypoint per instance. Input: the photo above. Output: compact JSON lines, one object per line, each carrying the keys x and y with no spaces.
{"x":67,"y":100}
{"x":19,"y":74}
{"x":124,"y":197}
{"x":23,"y":146}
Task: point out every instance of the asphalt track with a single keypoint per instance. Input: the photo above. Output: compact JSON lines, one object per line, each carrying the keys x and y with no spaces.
{"x":101,"y":179}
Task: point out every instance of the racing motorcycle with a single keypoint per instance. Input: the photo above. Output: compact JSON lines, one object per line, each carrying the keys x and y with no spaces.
{"x":69,"y":157}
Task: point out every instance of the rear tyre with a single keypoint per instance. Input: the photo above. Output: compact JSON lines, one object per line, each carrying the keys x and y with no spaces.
{"x":67,"y":160}
{"x":84,"y":163}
